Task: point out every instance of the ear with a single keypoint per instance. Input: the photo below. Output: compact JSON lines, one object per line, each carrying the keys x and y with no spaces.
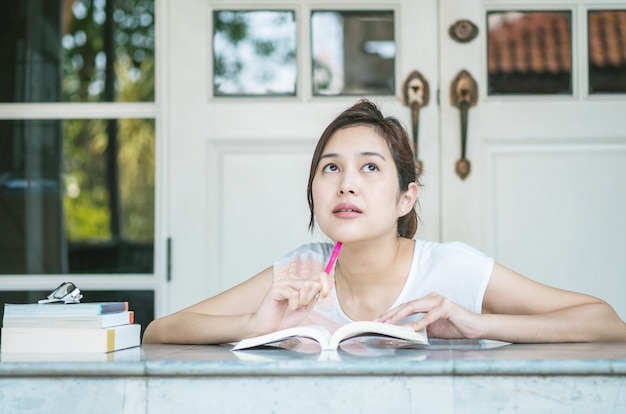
{"x":407,"y":200}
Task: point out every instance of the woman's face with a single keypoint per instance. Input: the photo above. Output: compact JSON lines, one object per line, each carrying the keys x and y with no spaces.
{"x":355,"y":188}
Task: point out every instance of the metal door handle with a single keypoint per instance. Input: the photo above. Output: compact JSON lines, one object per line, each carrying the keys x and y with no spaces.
{"x":416,"y":93}
{"x":463,"y":95}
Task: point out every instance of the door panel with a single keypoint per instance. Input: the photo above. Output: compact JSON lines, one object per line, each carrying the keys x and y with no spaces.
{"x":559,"y":220}
{"x":252,"y":215}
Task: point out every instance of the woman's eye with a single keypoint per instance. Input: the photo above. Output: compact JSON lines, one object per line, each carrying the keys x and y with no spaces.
{"x":330,"y":168}
{"x":370,"y":167}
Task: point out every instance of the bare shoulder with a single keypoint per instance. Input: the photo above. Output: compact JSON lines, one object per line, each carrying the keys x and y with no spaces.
{"x":509,"y":292}
{"x":242,"y":298}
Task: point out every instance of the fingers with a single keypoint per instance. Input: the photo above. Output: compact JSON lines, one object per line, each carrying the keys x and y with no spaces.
{"x":429,"y":317}
{"x":423,"y":305}
{"x":289,"y":301}
{"x":298,"y":293}
{"x":432,"y":307}
{"x":324,"y":280}
{"x":308,"y":294}
{"x":442,"y":317}
{"x":307,"y":291}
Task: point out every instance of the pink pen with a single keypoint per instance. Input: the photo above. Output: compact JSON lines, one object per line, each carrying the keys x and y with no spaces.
{"x":333,"y":258}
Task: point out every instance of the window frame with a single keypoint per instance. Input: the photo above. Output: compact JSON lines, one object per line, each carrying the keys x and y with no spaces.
{"x":156,"y":111}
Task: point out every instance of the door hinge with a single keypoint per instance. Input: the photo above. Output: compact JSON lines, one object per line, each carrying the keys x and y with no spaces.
{"x":168,"y":265}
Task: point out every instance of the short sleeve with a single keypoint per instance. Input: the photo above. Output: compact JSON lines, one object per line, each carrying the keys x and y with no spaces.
{"x":456,"y":270}
{"x":303,"y":262}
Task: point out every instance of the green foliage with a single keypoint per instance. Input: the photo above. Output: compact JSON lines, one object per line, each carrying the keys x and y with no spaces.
{"x":90,"y":47}
{"x":87,"y":200}
{"x":248,"y":58}
{"x":88,"y":220}
{"x":232,"y":24}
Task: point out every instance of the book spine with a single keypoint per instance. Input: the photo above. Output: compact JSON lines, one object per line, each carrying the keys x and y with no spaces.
{"x":66,"y":309}
{"x":50,"y":340}
{"x":69,"y":321}
{"x":110,"y":340}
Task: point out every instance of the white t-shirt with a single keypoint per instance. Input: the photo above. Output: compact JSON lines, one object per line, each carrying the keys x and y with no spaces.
{"x":455,"y":270}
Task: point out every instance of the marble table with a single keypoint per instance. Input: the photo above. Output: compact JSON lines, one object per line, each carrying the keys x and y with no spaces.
{"x":445,"y":377}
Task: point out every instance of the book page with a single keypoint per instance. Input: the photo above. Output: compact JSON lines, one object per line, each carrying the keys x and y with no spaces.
{"x":376,"y":328}
{"x":317,"y":333}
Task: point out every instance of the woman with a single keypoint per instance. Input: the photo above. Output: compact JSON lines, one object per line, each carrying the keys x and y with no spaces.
{"x":362,"y":191}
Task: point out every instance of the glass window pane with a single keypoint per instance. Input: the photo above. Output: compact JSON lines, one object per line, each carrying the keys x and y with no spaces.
{"x":77,"y":51}
{"x":529,"y":52}
{"x":77,"y":196}
{"x":254,"y":53}
{"x":353,"y":52}
{"x":607,"y":51}
{"x":139,"y":301}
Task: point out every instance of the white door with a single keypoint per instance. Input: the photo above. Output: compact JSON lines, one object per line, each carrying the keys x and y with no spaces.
{"x":240,"y":164}
{"x":545,"y":195}
{"x":535,"y":197}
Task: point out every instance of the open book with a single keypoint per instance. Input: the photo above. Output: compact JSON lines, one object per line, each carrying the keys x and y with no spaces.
{"x":330,"y":342}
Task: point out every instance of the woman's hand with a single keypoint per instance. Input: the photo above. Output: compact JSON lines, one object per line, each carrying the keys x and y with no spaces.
{"x":442,"y":318}
{"x":288,"y":302}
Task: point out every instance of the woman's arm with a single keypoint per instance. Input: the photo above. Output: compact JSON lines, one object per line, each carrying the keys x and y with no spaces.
{"x":257,"y":306}
{"x":518,"y":309}
{"x":219,"y":319}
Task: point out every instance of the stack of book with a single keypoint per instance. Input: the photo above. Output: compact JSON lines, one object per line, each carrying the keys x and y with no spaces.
{"x":68,"y":328}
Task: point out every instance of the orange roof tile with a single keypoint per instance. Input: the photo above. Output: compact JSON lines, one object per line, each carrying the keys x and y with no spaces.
{"x":540,"y":42}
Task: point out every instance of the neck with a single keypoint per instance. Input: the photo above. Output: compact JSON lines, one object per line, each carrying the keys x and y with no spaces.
{"x":367,"y":265}
{"x":370,"y":276}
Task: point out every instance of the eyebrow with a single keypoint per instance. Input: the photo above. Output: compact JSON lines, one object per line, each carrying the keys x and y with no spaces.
{"x":362,"y":154}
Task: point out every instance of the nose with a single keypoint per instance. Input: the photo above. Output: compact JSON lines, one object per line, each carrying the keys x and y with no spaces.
{"x":347,"y":185}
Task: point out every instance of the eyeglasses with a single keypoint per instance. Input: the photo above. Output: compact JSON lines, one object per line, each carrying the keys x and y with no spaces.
{"x":67,"y":292}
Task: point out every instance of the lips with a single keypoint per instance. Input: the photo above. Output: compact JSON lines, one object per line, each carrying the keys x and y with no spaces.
{"x":346,"y":209}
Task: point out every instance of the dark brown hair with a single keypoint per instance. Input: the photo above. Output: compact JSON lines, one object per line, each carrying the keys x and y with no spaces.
{"x":395,"y":135}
